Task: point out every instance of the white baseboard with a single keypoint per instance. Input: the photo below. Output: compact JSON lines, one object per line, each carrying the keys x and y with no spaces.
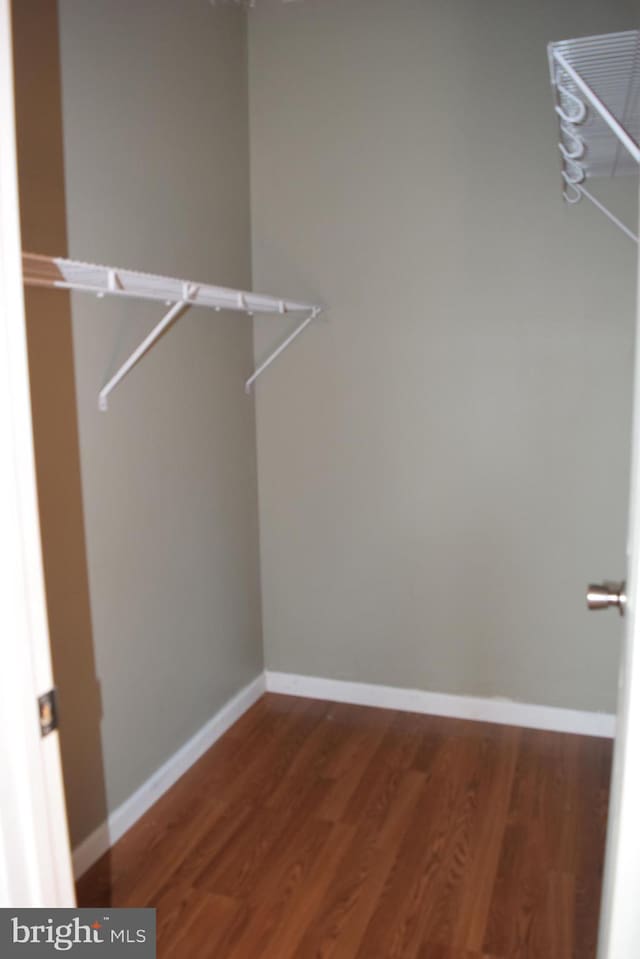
{"x":95,"y":845}
{"x":501,"y":711}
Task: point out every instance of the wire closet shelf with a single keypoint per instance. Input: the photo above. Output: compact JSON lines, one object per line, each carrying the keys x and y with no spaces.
{"x":179,"y":295}
{"x":596,"y":84}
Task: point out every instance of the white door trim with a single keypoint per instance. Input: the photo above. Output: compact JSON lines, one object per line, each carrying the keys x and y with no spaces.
{"x":35,"y":862}
{"x":620,"y":915}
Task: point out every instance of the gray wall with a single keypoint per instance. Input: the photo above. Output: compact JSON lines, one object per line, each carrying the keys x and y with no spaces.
{"x":443,"y":460}
{"x":156,"y":165}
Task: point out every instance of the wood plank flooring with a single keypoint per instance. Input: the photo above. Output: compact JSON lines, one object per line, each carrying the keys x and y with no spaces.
{"x":316,"y":830}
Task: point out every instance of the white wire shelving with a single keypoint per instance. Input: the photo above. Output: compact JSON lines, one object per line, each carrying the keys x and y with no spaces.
{"x":178,"y":295}
{"x":596,"y":84}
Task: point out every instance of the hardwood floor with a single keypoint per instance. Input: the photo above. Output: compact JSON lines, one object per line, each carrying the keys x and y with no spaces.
{"x":315,"y":830}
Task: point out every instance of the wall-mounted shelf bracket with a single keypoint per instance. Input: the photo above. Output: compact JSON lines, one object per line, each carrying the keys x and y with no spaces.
{"x":280,"y":349}
{"x":179,"y":295}
{"x":580,"y":190}
{"x":176,"y":311}
{"x":596,"y":83}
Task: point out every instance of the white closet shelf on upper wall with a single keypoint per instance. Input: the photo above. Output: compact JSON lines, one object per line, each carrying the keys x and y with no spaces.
{"x":596,"y":83}
{"x":179,"y":295}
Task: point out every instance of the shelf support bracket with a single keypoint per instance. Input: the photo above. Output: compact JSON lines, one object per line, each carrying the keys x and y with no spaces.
{"x":177,"y":310}
{"x":600,"y":206}
{"x":280,"y":349}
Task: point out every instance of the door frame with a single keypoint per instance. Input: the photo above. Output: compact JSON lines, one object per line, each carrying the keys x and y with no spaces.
{"x":35,"y":857}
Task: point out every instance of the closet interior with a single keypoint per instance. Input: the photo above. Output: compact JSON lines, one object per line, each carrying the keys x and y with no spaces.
{"x":327,"y":681}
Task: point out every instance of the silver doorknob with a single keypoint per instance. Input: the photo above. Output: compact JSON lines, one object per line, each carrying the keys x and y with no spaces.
{"x":603,"y":595}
